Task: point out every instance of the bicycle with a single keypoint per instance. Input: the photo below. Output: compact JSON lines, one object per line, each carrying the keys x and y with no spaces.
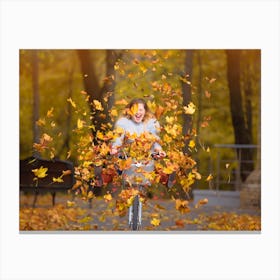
{"x":135,"y":209}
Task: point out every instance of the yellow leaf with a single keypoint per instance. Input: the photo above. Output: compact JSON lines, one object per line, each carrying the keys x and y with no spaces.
{"x":50,"y":113}
{"x":169,"y":120}
{"x":46,"y":138}
{"x":108,"y":197}
{"x":80,"y":124}
{"x":167,"y":139}
{"x":41,"y":122}
{"x":190,"y":109}
{"x":41,"y":172}
{"x":209,"y":178}
{"x":86,"y":164}
{"x":192,"y":144}
{"x":152,"y":105}
{"x":114,"y":113}
{"x":155,"y":222}
{"x":197,"y":175}
{"x":68,"y":154}
{"x":72,"y":102}
{"x":90,"y":195}
{"x":58,"y":180}
{"x":133,"y":110}
{"x":143,"y":68}
{"x":97,"y":105}
{"x":121,"y":102}
{"x":70,"y":203}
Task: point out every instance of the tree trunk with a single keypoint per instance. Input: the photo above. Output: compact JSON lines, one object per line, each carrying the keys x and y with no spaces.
{"x":241,"y":132}
{"x":36,"y":97}
{"x":104,"y":93}
{"x":186,"y":89}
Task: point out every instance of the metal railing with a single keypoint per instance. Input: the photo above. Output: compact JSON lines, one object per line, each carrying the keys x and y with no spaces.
{"x":228,"y":168}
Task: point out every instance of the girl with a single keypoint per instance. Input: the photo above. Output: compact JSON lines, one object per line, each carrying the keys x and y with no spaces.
{"x":138,"y":121}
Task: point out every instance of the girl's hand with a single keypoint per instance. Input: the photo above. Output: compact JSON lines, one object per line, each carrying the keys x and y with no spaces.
{"x":114,"y":151}
{"x":160,"y":154}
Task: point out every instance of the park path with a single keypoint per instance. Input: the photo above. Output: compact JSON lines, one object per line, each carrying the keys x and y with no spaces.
{"x":102,"y":218}
{"x":165,"y":211}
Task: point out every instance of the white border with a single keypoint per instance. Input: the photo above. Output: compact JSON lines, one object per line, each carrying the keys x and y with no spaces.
{"x":146,"y":24}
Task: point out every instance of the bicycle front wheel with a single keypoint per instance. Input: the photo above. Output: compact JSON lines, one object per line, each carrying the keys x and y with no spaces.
{"x":136,"y":208}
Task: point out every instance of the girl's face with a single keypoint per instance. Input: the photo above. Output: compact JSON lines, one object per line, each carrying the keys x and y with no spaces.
{"x":138,"y":117}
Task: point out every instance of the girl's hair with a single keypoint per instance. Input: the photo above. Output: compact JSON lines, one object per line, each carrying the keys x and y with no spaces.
{"x":148,"y":113}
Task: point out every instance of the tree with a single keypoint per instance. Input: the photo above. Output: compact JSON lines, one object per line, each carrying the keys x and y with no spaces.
{"x":242,"y":130}
{"x":103,"y":93}
{"x":36,"y":98}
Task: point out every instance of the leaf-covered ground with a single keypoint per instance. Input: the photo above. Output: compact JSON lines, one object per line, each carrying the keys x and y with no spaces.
{"x":158,"y":215}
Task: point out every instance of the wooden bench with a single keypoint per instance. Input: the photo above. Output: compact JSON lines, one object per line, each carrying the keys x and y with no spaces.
{"x":46,"y":184}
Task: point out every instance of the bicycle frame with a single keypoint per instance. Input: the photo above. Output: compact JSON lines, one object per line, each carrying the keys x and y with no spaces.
{"x":135,"y":209}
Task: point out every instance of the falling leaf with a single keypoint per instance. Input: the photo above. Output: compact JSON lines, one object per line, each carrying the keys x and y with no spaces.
{"x":41,"y":172}
{"x":133,"y":110}
{"x":209,"y":178}
{"x":114,"y":113}
{"x":204,"y":124}
{"x":152,"y":105}
{"x":50,"y":113}
{"x":41,"y":122}
{"x":121,"y":102}
{"x":80,"y":124}
{"x":207,"y":94}
{"x":212,"y":80}
{"x":90,"y":195}
{"x":72,"y":102}
{"x":57,"y":180}
{"x":169,"y":120}
{"x":192,"y":144}
{"x":190,"y":109}
{"x":143,"y":69}
{"x":227,"y":165}
{"x":98,"y":105}
{"x":159,"y":111}
{"x":68,"y":154}
{"x":197,"y":175}
{"x":46,"y":138}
